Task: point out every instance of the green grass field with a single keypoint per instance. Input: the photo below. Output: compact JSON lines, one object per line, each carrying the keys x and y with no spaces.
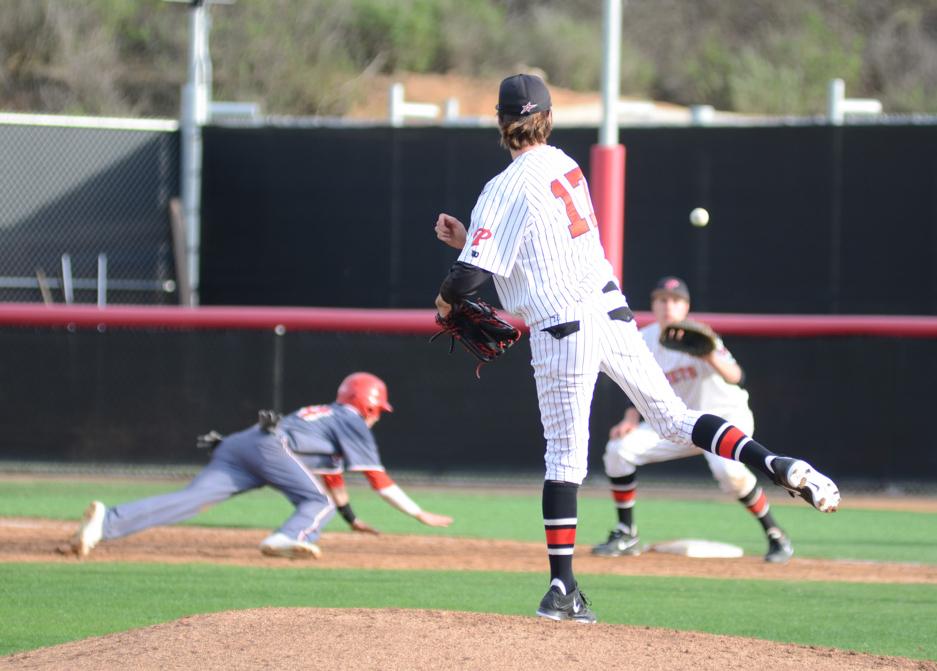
{"x":44,"y":604}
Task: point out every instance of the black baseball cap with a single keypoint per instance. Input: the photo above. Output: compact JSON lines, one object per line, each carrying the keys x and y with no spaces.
{"x":523,"y":95}
{"x":671,"y":286}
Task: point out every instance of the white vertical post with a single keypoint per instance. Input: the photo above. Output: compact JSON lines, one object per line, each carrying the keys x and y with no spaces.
{"x":68,"y":288}
{"x":607,"y":158}
{"x":395,"y":104}
{"x":611,"y":72}
{"x":196,"y":97}
{"x":701,"y":115}
{"x":102,"y":280}
{"x":451,"y":109}
{"x":835,"y":97}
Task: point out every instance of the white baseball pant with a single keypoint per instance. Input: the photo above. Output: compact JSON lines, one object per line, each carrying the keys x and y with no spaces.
{"x":644,"y":446}
{"x":566,"y":370}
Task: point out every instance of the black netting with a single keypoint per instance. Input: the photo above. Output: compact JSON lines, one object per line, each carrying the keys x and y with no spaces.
{"x":140,"y":396}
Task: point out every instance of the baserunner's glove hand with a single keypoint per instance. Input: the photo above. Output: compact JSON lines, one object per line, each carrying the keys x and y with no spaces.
{"x":268,"y":420}
{"x":208,"y":441}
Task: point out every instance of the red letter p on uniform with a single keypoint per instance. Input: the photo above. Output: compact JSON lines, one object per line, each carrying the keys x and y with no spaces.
{"x":480,"y":234}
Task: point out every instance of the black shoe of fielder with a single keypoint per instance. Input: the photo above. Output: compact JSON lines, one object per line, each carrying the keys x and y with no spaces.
{"x":800,"y":479}
{"x":573,"y":606}
{"x":619,"y":543}
{"x":779,"y":547}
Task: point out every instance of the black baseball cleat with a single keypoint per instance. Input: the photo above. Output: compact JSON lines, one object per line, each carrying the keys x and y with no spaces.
{"x":619,"y":543}
{"x":800,"y":479}
{"x":779,"y":547}
{"x":573,"y":606}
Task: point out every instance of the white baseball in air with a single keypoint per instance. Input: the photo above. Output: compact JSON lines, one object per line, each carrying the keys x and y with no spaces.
{"x":699,"y":217}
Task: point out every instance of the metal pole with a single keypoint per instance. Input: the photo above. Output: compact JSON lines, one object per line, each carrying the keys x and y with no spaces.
{"x":450,"y":110}
{"x":44,"y":290}
{"x":395,"y":103}
{"x":835,"y":95}
{"x":194,"y":114}
{"x":102,"y":280}
{"x":611,"y":72}
{"x":278,"y":332}
{"x":607,"y":158}
{"x":836,"y":219}
{"x":701,"y":115}
{"x":67,"y":287}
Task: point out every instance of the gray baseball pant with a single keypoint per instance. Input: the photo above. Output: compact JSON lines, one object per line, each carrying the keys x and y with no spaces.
{"x":242,"y":461}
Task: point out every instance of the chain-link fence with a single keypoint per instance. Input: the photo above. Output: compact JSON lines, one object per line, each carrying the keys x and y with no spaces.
{"x":84,"y":210}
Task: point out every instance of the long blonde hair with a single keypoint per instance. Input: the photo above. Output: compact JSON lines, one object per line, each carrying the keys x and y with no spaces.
{"x":518,"y":132}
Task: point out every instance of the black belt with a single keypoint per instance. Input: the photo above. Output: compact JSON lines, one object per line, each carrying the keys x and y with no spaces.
{"x":622,"y":314}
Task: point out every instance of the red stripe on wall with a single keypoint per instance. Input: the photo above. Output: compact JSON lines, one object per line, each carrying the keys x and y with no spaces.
{"x":420,"y":321}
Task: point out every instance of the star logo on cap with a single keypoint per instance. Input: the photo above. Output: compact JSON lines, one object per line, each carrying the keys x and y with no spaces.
{"x":528,"y":108}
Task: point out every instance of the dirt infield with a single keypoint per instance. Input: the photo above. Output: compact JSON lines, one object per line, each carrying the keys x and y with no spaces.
{"x":395,"y":639}
{"x":37,"y":540}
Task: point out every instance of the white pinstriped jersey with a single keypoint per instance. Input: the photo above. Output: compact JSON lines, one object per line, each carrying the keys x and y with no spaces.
{"x":694,"y":380}
{"x":534,"y":228}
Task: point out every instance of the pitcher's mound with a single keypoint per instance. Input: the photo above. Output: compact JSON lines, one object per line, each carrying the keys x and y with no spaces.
{"x":325,"y":638}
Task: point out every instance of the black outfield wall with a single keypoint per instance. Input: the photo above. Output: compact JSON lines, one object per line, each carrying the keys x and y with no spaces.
{"x":856,"y":407}
{"x":805,"y":219}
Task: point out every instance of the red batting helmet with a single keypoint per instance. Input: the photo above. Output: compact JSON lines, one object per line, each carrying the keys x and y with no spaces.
{"x":366,"y":392}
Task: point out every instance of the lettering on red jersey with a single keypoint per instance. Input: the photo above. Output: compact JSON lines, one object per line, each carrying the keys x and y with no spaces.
{"x":313,"y":412}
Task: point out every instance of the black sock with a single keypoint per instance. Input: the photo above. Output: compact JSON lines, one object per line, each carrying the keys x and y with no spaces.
{"x":559,"y":521}
{"x":757,"y":504}
{"x":624,"y":490}
{"x":725,"y":440}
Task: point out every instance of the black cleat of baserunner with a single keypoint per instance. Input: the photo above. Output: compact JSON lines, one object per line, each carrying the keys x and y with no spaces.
{"x":573,"y":606}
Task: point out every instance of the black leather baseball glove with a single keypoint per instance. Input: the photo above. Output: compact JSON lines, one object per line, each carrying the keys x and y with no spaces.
{"x":477,"y":326}
{"x":690,"y":337}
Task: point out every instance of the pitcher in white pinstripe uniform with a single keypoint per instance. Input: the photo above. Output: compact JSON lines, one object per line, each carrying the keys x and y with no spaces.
{"x":534,"y":230}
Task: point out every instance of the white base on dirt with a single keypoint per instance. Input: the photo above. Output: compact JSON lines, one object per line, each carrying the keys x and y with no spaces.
{"x":700,"y":549}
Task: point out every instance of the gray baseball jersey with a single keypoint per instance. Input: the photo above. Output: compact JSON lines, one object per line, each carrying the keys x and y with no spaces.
{"x":331,"y":439}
